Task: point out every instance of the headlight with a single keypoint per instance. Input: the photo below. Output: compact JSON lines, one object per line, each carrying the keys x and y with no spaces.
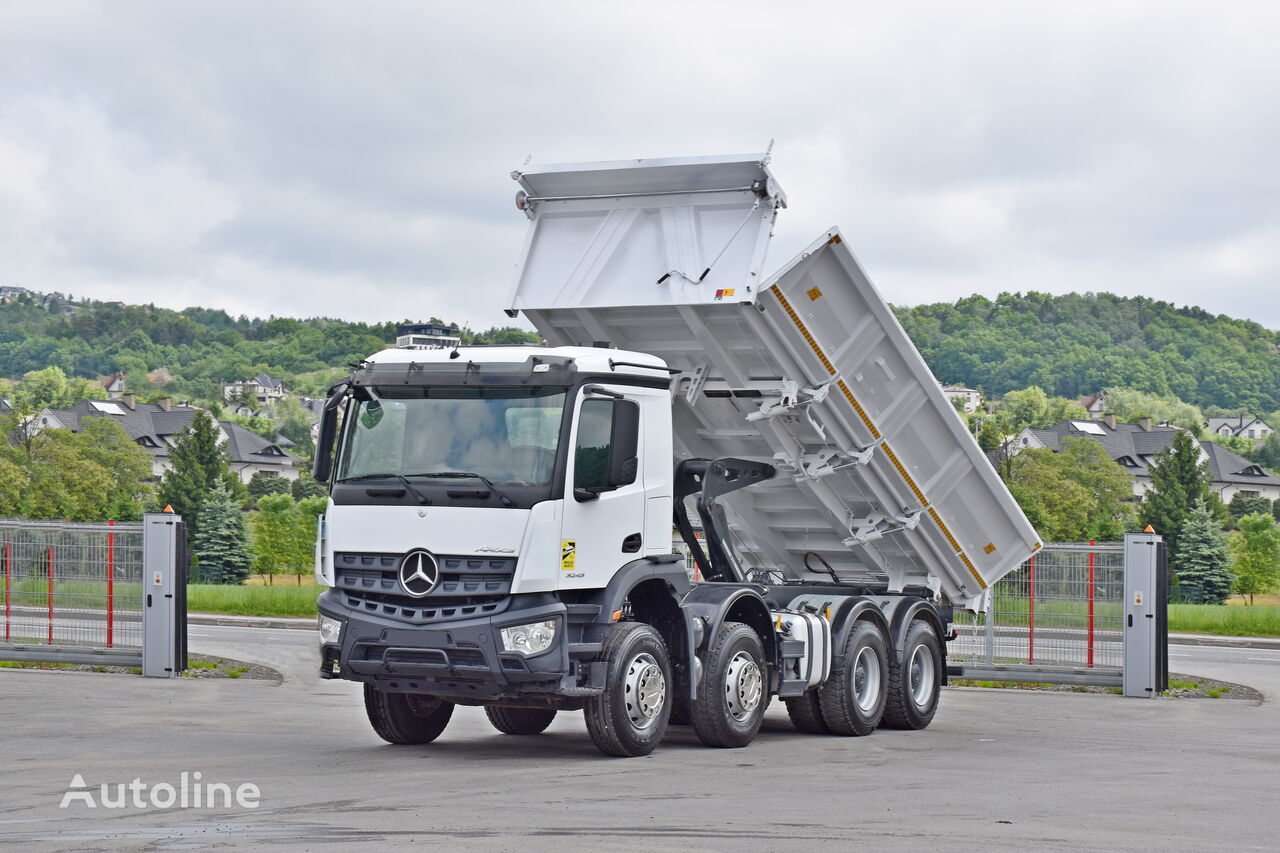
{"x":330,"y":629}
{"x":529,"y":639}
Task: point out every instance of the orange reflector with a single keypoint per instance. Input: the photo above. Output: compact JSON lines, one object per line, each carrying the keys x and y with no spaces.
{"x":1148,"y":529}
{"x":616,"y":616}
{"x":168,"y":508}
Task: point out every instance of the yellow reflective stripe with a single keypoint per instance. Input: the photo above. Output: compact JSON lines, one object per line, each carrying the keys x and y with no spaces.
{"x":893,"y":457}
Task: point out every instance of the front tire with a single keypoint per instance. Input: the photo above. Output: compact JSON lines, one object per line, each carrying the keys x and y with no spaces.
{"x":731,"y":696}
{"x":630,"y":717}
{"x":853,"y":697}
{"x":520,"y":721}
{"x":406,"y":718}
{"x":915,"y":682}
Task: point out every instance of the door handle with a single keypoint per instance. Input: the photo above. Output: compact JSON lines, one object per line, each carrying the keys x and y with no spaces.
{"x":1130,"y":620}
{"x":631,"y":544}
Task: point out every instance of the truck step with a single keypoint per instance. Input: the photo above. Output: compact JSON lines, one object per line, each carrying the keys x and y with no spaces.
{"x":582,"y":612}
{"x":585,"y":650}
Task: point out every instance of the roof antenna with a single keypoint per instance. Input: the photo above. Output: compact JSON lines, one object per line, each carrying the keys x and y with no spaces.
{"x":768,"y":152}
{"x":526,"y":160}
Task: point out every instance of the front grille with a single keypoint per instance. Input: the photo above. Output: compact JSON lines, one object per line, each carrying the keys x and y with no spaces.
{"x":468,"y":587}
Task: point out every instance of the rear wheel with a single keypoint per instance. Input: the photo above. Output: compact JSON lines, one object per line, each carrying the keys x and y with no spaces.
{"x":404,"y":718}
{"x":731,"y":696}
{"x":805,"y":712}
{"x":630,"y":717}
{"x":915,"y":682}
{"x":520,"y":721}
{"x":853,"y":697}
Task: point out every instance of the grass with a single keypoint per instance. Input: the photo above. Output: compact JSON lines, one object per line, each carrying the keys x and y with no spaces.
{"x":1183,"y":684}
{"x":1224,"y":619}
{"x":1217,"y":692}
{"x":253,"y":600}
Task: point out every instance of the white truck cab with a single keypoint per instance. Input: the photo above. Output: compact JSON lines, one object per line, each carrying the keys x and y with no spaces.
{"x":500,"y":521}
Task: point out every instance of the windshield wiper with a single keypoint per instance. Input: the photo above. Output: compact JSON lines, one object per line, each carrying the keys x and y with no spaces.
{"x":422,"y":499}
{"x":506,"y":501}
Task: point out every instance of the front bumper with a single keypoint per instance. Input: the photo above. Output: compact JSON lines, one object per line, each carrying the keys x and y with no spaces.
{"x":461,"y":660}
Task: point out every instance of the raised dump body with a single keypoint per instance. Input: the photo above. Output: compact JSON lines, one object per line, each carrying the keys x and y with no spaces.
{"x":806,"y":369}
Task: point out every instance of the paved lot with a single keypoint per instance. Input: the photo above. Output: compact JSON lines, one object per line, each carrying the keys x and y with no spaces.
{"x":997,"y":770}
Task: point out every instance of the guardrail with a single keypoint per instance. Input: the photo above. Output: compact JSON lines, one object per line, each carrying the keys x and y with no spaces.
{"x":1057,"y":618}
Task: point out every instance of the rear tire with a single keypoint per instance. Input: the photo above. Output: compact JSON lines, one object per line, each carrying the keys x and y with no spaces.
{"x":915,"y":682}
{"x":853,"y":697}
{"x":406,"y":718}
{"x":805,"y":712}
{"x":731,"y":697}
{"x":520,"y":721}
{"x":630,"y":717}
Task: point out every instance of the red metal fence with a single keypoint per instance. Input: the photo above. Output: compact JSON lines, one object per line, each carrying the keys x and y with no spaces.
{"x":72,"y":585}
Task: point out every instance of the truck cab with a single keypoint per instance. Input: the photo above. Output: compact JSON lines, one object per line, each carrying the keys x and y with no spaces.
{"x":500,"y":523}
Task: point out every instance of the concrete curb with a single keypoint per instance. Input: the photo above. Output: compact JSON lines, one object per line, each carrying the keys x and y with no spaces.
{"x":1232,"y":642}
{"x":233,"y":621}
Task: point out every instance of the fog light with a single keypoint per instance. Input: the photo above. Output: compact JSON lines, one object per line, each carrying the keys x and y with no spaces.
{"x":330,"y":629}
{"x":529,"y":639}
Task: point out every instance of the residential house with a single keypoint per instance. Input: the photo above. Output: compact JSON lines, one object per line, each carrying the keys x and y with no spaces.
{"x":969,"y":398}
{"x":1244,"y":426}
{"x":263,"y":388}
{"x":1133,"y":446}
{"x":113,"y":385}
{"x":1095,"y":405}
{"x":426,"y":336}
{"x":155,"y":427}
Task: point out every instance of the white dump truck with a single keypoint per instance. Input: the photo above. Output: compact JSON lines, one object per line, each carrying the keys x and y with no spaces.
{"x":500,"y":523}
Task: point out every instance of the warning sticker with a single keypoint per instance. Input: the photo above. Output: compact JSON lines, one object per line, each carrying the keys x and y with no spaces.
{"x":568,"y":554}
{"x":813,"y":293}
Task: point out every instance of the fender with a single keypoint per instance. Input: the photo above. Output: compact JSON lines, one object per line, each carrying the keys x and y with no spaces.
{"x":904,"y":615}
{"x":705,"y":609}
{"x":845,"y":611}
{"x":637,"y":572}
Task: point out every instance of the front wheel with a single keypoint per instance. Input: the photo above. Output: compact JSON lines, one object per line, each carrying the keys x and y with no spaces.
{"x":405,"y":718}
{"x":629,"y":717}
{"x":852,"y":698}
{"x":915,"y":682}
{"x":520,"y":721}
{"x":731,"y":695}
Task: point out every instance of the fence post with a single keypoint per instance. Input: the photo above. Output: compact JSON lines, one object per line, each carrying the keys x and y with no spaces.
{"x":51,"y":595}
{"x":989,"y":616}
{"x":111,"y":582}
{"x":7,"y":584}
{"x":1091,"y":597}
{"x":1031,"y":611}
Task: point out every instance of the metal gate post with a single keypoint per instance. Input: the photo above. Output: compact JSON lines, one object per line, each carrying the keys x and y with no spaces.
{"x":163,"y":557}
{"x":1141,"y":629}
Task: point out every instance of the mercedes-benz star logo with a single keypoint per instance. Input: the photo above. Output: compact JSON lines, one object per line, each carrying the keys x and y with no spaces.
{"x":419,"y":573}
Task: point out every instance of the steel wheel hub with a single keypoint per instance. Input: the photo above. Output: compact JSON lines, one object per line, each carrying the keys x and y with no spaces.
{"x":922,"y":675}
{"x":646,"y":690}
{"x":743,"y":686}
{"x":866,"y":680}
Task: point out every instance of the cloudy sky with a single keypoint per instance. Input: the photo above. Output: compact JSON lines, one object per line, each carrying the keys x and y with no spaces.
{"x":353,"y":160}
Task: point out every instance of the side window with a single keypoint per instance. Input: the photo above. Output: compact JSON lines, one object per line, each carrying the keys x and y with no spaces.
{"x":591,"y":454}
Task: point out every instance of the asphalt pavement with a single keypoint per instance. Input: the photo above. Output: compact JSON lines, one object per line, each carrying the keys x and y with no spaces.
{"x":997,"y":770}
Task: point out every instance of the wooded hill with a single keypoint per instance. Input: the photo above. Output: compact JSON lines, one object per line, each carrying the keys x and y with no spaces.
{"x":1080,"y":343}
{"x":1068,"y":345}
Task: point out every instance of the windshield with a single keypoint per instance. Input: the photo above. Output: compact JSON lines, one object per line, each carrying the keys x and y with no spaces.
{"x":506,"y":434}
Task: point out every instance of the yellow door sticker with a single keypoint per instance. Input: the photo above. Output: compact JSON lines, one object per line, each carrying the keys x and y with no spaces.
{"x":568,"y":551}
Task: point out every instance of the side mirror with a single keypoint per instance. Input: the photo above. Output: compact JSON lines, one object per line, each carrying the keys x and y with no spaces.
{"x":624,"y":444}
{"x":323,"y":465}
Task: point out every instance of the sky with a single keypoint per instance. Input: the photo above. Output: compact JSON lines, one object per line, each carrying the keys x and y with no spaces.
{"x":353,"y":160}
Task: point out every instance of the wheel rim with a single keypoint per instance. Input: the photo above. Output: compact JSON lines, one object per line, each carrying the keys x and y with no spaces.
{"x":646,"y":690}
{"x":743,"y":686}
{"x":866,"y":680}
{"x":923,"y":675}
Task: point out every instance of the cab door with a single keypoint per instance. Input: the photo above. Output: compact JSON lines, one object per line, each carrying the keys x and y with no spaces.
{"x":604,"y":504}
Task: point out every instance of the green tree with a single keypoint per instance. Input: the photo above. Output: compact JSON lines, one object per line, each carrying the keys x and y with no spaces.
{"x":306,"y":487}
{"x":274,"y":535}
{"x":295,"y":425}
{"x":1129,"y":405}
{"x":1074,"y":495}
{"x":1201,"y":564}
{"x":199,"y":462}
{"x":1179,"y":478}
{"x":1242,"y":505}
{"x":222,"y":542}
{"x":1256,"y":556}
{"x":105,"y":442}
{"x":265,"y":483}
